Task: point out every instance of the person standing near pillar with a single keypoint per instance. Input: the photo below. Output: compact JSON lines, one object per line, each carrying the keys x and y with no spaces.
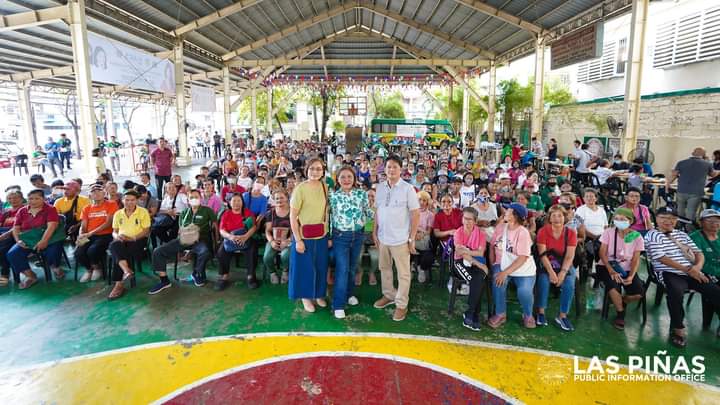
{"x":113,"y":151}
{"x":65,"y":151}
{"x":162,"y":160}
{"x":692,"y":174}
{"x":396,"y":221}
{"x":53,"y":155}
{"x":217,"y":142}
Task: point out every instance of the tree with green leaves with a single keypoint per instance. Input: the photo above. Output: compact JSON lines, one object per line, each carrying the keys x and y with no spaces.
{"x":387,"y":106}
{"x":279,"y":97}
{"x":477,"y":114}
{"x":324,"y":99}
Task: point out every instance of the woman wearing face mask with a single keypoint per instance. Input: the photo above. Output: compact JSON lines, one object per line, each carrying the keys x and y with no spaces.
{"x":309,"y":247}
{"x":237,"y":227}
{"x":620,"y":251}
{"x":255,"y":200}
{"x":467,"y":190}
{"x":556,"y":246}
{"x":231,"y":188}
{"x":487,"y":212}
{"x":348,"y":214}
{"x":204,"y":218}
{"x":642,"y":221}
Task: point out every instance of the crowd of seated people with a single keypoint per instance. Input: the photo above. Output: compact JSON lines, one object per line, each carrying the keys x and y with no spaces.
{"x":282,"y":207}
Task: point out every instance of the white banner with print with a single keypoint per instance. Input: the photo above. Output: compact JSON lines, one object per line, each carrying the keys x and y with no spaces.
{"x":203,"y":99}
{"x":116,"y":63}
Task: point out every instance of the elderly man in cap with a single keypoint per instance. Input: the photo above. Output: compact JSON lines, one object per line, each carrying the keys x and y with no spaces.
{"x":678,"y":264}
{"x":71,"y":205}
{"x":706,"y":239}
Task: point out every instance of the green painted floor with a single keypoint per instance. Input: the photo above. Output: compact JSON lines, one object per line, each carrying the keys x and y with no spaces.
{"x":63,"y":319}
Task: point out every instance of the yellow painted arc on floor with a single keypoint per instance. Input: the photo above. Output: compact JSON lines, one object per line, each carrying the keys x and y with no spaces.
{"x":143,"y":374}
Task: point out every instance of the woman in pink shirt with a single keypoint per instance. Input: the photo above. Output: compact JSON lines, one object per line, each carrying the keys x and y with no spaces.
{"x":470,"y":249}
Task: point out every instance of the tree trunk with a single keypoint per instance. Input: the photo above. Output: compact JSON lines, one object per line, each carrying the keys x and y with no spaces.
{"x":315,"y":118}
{"x":277,"y":119}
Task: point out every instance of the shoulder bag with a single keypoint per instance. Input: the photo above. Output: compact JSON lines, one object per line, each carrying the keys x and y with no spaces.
{"x":527,"y":269}
{"x":686,"y":250}
{"x":189,"y":234}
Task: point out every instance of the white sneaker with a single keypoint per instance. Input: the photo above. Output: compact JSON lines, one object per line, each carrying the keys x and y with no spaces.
{"x":96,"y":275}
{"x":353,"y":300}
{"x":85,"y":277}
{"x":340,"y":313}
{"x":464,"y":289}
{"x":422,"y":276}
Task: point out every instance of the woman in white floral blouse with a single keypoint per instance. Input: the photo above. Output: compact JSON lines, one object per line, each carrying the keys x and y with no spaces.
{"x":348,"y":213}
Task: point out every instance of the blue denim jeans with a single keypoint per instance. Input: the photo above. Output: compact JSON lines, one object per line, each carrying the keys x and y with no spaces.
{"x":347,"y":246}
{"x":524,"y":290}
{"x":567,"y":290}
{"x":18,"y":257}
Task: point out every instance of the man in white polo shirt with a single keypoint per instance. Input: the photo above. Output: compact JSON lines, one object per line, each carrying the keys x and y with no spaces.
{"x":396,"y":220}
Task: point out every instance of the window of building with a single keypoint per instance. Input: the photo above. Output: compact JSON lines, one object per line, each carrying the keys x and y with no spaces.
{"x":691,"y":38}
{"x":610,"y":65}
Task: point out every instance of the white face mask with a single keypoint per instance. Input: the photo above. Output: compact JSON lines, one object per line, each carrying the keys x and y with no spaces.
{"x":194,"y":202}
{"x":58,"y":192}
{"x":621,"y":225}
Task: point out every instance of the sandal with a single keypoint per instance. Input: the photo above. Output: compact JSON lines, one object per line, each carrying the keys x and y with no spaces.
{"x":29,"y":282}
{"x":58,"y":274}
{"x":678,"y":340}
{"x":619,"y":324}
{"x":116,"y":292}
{"x":128,"y":275}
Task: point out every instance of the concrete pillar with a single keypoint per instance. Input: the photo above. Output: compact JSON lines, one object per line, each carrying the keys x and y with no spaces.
{"x":28,"y":136}
{"x":538,"y":105}
{"x":633,"y":75}
{"x":491,"y":105}
{"x":226,"y":105}
{"x":268,"y":118}
{"x":83,"y":82}
{"x":253,"y":113}
{"x":183,"y":159}
{"x":465,"y":112}
{"x":109,"y":122}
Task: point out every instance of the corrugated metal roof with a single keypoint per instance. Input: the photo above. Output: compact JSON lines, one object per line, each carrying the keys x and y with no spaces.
{"x":153,"y":20}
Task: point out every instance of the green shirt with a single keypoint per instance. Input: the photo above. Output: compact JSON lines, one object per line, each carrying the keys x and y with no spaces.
{"x":711,"y":251}
{"x":536,"y":203}
{"x":204,"y":218}
{"x":546,"y":195}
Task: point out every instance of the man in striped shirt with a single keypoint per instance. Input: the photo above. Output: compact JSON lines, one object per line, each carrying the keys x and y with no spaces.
{"x":678,"y":264}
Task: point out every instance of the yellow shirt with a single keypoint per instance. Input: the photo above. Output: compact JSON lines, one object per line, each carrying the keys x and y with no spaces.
{"x":134,"y":225}
{"x":308,"y":200}
{"x":100,"y":165}
{"x":64,"y":204}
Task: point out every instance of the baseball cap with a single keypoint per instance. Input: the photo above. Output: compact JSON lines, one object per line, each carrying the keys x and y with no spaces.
{"x":519,"y":209}
{"x":666,"y":211}
{"x":709,"y":213}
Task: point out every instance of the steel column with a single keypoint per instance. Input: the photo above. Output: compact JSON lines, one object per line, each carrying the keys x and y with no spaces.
{"x":491,"y":106}
{"x":465,"y":113}
{"x":538,"y":104}
{"x":183,"y":159}
{"x":109,"y":122}
{"x":253,"y":113}
{"x":633,"y":75}
{"x":226,"y":104}
{"x":28,"y":136}
{"x":83,"y":82}
{"x":268,"y":118}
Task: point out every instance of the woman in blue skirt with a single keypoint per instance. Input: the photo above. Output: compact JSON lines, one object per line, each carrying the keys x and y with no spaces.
{"x":309,"y":247}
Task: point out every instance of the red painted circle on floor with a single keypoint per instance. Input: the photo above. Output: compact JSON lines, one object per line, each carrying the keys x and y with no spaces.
{"x":336,"y":380}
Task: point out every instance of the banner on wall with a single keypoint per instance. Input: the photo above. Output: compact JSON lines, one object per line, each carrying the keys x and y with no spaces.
{"x":116,"y":63}
{"x":203,"y":99}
